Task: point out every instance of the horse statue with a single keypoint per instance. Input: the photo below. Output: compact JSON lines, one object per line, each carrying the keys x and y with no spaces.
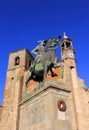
{"x":45,"y":60}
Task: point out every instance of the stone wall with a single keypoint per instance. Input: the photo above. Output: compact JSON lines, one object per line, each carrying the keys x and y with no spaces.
{"x":14,"y":89}
{"x":39,"y":111}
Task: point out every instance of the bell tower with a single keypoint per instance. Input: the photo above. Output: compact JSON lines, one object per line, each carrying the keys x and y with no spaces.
{"x":67,"y":50}
{"x":70,"y":76}
{"x":73,"y":82}
{"x":68,"y":57}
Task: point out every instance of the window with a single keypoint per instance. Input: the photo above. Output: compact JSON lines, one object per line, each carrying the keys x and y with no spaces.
{"x":17,"y":60}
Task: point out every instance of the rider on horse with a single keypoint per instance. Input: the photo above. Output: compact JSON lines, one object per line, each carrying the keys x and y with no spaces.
{"x":45,"y":59}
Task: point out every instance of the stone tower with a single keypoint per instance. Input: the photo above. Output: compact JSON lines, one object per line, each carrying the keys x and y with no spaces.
{"x":17,"y":65}
{"x":55,"y":105}
{"x":79,"y":105}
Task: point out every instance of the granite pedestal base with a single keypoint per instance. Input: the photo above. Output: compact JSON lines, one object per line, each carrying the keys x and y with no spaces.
{"x":39,"y":110}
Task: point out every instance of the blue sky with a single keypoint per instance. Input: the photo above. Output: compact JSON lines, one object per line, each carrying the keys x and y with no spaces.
{"x":23,"y":23}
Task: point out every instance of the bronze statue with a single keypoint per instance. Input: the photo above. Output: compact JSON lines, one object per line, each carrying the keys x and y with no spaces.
{"x":45,"y":60}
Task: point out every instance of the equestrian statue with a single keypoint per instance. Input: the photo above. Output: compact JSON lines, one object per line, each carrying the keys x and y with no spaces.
{"x":45,"y":60}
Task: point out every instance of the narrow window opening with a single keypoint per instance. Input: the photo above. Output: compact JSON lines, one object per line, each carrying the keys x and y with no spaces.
{"x":71,"y":67}
{"x":17,"y":61}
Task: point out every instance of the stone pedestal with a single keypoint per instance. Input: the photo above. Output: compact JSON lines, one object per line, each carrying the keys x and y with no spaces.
{"x":39,"y":109}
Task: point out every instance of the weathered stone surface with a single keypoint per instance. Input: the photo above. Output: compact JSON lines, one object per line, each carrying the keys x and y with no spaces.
{"x":40,"y":111}
{"x":13,"y":90}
